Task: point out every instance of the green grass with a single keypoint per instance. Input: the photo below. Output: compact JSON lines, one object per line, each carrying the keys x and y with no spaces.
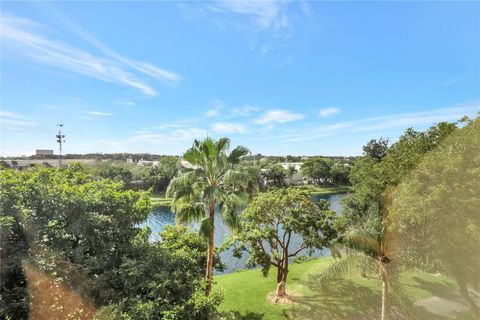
{"x":245,"y":293}
{"x":318,"y":190}
{"x":159,"y":200}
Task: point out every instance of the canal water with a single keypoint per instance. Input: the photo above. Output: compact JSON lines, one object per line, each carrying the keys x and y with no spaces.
{"x":162,"y":216}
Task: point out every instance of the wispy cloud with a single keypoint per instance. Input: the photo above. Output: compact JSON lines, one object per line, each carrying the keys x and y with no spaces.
{"x":244,"y":111}
{"x":229,"y":127}
{"x":166,"y":135}
{"x":278,"y":116}
{"x":27,"y":37}
{"x":268,"y":22}
{"x":215,"y":110}
{"x":452,"y":81}
{"x":374,"y":124}
{"x":328,"y":112}
{"x":99,"y":113}
{"x":12,"y":121}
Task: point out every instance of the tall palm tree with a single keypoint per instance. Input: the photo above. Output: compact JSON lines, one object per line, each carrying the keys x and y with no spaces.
{"x":210,"y":181}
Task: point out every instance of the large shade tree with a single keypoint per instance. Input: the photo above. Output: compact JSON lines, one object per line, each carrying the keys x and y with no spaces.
{"x":281,"y":224}
{"x":211,"y":181}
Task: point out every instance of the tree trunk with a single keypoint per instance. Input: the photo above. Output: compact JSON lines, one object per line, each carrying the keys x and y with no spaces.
{"x":211,"y":247}
{"x":384,"y":275}
{"x":281,"y":285}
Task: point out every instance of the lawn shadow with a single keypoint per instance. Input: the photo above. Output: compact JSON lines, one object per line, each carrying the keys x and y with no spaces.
{"x":342,"y":299}
{"x":437,"y":289}
{"x":236,"y":315}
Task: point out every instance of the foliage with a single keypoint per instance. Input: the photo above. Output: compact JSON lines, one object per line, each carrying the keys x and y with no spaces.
{"x":270,"y":221}
{"x":436,"y":210}
{"x":376,"y":149}
{"x":212,"y":181}
{"x":115,"y":173}
{"x":159,"y":176}
{"x":274,"y":175}
{"x":82,"y":251}
{"x":365,"y":225}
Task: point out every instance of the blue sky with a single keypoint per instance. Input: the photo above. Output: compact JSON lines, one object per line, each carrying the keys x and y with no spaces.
{"x":278,"y":77}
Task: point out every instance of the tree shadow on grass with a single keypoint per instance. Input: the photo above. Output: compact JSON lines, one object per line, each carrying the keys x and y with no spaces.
{"x":345,"y":299}
{"x":235,"y":315}
{"x":443,"y":290}
{"x":342,"y":299}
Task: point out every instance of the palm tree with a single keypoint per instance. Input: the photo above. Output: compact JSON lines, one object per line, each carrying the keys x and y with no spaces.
{"x":211,"y":181}
{"x":369,"y":245}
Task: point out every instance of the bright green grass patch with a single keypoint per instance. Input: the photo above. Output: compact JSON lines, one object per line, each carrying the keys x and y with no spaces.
{"x":159,"y":200}
{"x":317,"y":190}
{"x":246,"y":291}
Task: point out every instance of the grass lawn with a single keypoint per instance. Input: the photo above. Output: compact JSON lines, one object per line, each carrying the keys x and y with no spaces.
{"x":318,"y":190}
{"x":353,"y":297}
{"x":159,"y":200}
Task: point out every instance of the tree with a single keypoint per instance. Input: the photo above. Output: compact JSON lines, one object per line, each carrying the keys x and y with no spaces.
{"x":317,"y":169}
{"x":339,"y":173}
{"x":365,"y":225}
{"x":159,"y":176}
{"x":274,"y":175}
{"x":436,"y":210}
{"x":376,"y":149}
{"x":115,"y":173}
{"x":211,"y":182}
{"x":75,"y":242}
{"x":273,"y":218}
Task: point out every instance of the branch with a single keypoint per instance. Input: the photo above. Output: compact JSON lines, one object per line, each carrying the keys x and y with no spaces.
{"x":299,"y":249}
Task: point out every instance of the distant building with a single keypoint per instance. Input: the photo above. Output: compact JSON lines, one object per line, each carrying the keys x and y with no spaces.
{"x":44,"y":152}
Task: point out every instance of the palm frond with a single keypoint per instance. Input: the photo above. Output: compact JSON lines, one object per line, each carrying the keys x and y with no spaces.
{"x":237,"y":153}
{"x":189,"y":212}
{"x":360,"y":240}
{"x":183,"y":185}
{"x":223,"y":144}
{"x":192,"y":155}
{"x":341,"y":267}
{"x":235,"y":178}
{"x":206,"y":226}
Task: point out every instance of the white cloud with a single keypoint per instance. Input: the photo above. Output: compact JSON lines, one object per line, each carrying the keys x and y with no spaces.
{"x":244,"y":111}
{"x":172,"y":134}
{"x":23,"y":36}
{"x":328,"y":112}
{"x":218,"y":105}
{"x":398,"y":121}
{"x":278,"y":116}
{"x":229,"y":127}
{"x":265,"y":14}
{"x":98,"y":113}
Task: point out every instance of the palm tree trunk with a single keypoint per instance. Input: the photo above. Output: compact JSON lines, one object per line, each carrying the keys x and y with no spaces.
{"x":211,"y":247}
{"x":384,"y":275}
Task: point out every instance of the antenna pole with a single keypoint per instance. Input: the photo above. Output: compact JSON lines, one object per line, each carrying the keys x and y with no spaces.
{"x":60,"y":141}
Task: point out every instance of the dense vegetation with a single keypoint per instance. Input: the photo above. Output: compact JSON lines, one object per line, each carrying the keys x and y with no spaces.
{"x":75,"y":241}
{"x":71,"y":246}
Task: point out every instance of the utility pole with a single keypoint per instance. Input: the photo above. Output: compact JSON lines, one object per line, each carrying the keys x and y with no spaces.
{"x":60,"y":141}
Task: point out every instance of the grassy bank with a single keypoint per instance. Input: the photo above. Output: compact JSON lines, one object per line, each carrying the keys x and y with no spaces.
{"x":159,"y":200}
{"x":353,"y":297}
{"x":318,"y":190}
